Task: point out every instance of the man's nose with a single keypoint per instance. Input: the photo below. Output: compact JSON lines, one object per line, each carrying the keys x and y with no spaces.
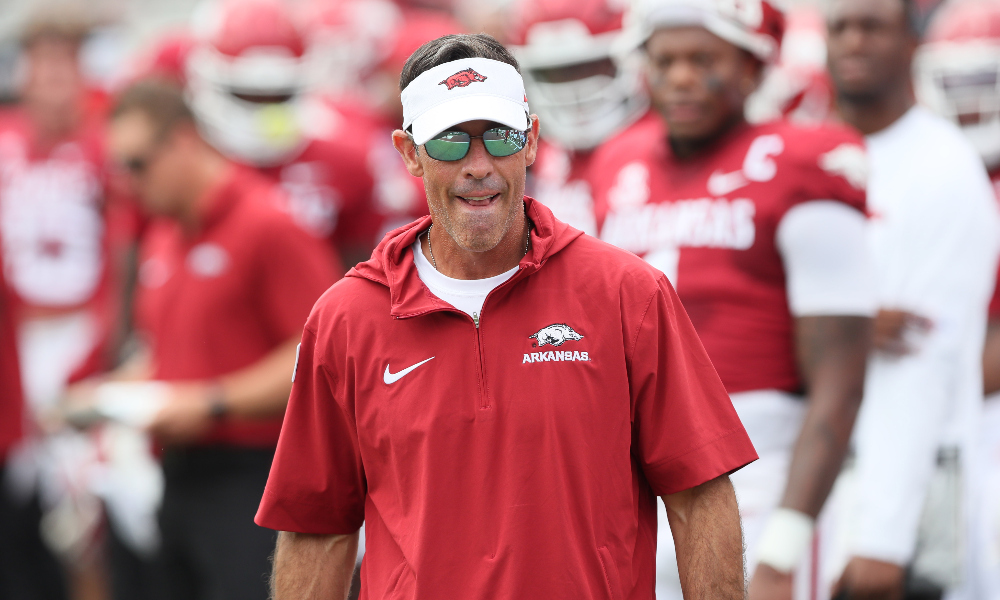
{"x":478,"y":163}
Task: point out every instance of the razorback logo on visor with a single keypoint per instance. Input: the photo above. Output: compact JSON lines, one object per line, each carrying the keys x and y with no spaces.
{"x":463,"y":79}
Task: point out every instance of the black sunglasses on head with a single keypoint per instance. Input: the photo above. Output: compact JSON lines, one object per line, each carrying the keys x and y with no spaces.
{"x":450,"y":146}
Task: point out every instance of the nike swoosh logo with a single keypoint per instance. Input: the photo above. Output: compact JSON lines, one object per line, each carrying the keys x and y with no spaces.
{"x":391,"y":378}
{"x":720,"y":184}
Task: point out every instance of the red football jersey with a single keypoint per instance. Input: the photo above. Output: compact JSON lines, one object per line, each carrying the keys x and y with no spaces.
{"x":398,"y":197}
{"x":52,"y":214}
{"x":710,"y":224}
{"x":328,"y":191}
{"x":222,"y":299}
{"x":561,"y":179}
{"x":513,"y":458}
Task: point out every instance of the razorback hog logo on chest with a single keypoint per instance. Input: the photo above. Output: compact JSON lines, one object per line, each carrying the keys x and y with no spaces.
{"x":556,"y":335}
{"x":463,"y":79}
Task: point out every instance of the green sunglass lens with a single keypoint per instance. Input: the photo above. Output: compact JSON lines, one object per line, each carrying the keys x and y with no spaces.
{"x":504,"y":142}
{"x":449,"y":146}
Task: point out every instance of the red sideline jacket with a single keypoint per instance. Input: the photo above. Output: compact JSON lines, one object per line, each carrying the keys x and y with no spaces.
{"x":517,"y":459}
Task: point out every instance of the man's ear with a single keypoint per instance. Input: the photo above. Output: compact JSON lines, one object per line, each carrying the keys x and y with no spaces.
{"x":403,"y":144}
{"x":531,"y":148}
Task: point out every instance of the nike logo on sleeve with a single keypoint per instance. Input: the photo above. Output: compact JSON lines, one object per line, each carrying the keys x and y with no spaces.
{"x":391,"y":378}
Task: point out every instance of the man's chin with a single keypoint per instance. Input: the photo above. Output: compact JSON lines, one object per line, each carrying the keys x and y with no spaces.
{"x":478,"y":240}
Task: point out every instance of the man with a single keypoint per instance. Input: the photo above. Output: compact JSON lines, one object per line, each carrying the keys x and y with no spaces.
{"x":584,"y":91}
{"x":934,"y":240}
{"x":225,"y":282}
{"x":954,"y":68}
{"x":761,"y":229}
{"x":497,"y":396}
{"x":57,"y":232}
{"x":53,"y":208}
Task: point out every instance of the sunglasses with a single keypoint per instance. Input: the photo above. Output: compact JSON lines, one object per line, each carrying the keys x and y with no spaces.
{"x":454,"y":145}
{"x":136,"y":165}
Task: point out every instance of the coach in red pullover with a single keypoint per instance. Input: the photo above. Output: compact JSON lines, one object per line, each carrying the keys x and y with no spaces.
{"x":498,"y":397}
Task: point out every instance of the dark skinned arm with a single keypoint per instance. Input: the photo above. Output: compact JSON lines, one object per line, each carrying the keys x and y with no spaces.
{"x":832,"y":352}
{"x":705,"y":523}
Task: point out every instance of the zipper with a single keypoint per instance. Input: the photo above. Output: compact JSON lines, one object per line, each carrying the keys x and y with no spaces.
{"x":484,"y":397}
{"x":477,"y":319}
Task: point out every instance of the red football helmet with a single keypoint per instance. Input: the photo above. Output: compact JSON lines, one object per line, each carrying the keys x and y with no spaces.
{"x":957,"y":71}
{"x":757,"y":26}
{"x":247,"y":78}
{"x":582,"y":89}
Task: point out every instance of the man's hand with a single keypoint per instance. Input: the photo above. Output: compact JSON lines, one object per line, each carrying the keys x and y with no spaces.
{"x":895,"y":329}
{"x":870,"y":579}
{"x":769,"y":583}
{"x":186,"y":416}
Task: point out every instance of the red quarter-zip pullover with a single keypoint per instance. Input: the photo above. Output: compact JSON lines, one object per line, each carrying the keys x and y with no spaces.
{"x":517,"y":459}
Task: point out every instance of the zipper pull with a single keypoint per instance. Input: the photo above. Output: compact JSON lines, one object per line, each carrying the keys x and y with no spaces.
{"x":475,"y":319}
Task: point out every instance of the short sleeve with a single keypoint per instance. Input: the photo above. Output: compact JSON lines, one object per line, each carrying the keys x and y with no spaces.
{"x":824,"y":247}
{"x":317,"y":482}
{"x":296,"y":269}
{"x":685,"y":429}
{"x":831,"y":164}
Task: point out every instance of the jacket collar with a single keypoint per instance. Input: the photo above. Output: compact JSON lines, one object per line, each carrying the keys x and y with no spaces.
{"x":392,"y":263}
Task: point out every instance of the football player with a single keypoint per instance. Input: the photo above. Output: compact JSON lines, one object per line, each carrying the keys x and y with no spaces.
{"x":957,"y":74}
{"x":584,"y":91}
{"x":248,"y":83}
{"x":60,"y":242}
{"x":761,"y":230}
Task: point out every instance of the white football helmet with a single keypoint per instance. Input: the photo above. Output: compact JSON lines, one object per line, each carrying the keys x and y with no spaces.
{"x":247,"y":77}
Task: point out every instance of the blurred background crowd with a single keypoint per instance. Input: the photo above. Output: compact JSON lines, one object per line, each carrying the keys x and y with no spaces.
{"x":292,"y":104}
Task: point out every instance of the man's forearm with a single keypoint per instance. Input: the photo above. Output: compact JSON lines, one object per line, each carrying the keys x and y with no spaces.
{"x":832,"y":355}
{"x":313,"y":567}
{"x":705,"y":522}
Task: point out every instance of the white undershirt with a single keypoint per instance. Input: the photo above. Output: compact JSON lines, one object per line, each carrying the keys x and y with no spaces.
{"x":467,"y":295}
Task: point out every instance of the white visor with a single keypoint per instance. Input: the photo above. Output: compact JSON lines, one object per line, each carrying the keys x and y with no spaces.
{"x":469,"y":89}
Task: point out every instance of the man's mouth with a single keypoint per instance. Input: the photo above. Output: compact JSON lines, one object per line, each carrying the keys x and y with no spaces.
{"x":478,"y":200}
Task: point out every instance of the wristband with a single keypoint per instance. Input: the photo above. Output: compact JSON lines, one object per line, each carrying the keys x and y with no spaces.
{"x":786,"y":538}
